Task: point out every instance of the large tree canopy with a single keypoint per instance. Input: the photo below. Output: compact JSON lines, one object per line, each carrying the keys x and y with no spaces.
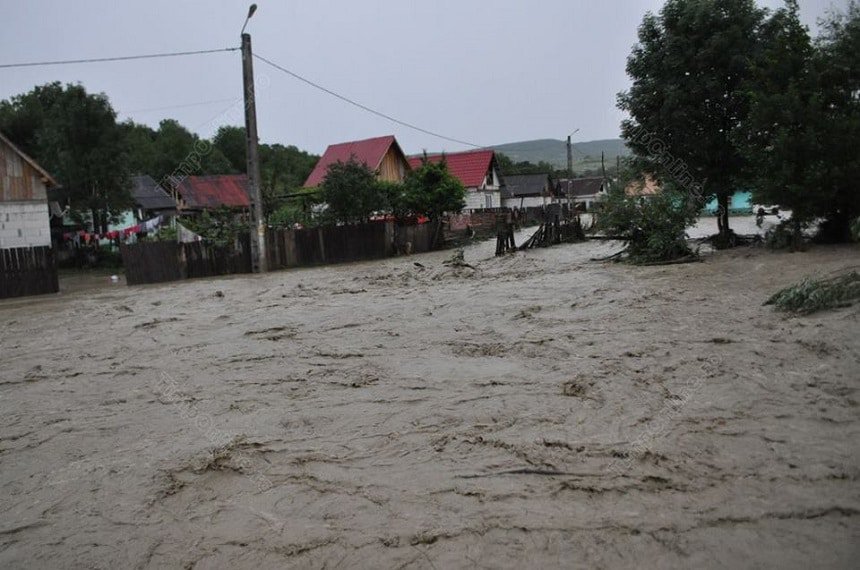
{"x":686,"y":99}
{"x":75,"y":136}
{"x":780,"y":136}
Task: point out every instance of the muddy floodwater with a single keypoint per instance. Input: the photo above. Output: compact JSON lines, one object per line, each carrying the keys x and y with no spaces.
{"x":536,"y":410}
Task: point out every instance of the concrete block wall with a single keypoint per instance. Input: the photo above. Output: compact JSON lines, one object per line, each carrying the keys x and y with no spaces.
{"x":24,"y":224}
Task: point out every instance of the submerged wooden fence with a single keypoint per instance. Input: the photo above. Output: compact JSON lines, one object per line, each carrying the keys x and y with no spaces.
{"x":157,"y":262}
{"x":27,"y":271}
{"x":340,"y":244}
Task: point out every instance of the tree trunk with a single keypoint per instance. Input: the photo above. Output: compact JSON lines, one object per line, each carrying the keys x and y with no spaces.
{"x":723,"y":217}
{"x":836,"y":228}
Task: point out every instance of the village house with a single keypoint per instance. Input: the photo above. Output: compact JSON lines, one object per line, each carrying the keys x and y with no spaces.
{"x":584,"y":192}
{"x":24,"y":185}
{"x":479,"y":172}
{"x":527,"y":191}
{"x":194,"y":194}
{"x":383,"y":155}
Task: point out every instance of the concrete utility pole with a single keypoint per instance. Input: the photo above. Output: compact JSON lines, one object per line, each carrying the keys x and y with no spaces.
{"x":569,"y":158}
{"x":259,"y":261}
{"x":570,"y":167}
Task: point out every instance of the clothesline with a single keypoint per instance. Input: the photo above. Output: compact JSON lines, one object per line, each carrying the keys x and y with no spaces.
{"x":143,"y":227}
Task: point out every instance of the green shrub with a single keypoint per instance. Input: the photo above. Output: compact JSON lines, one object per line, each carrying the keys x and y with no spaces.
{"x":654,"y":227}
{"x":812,"y":295}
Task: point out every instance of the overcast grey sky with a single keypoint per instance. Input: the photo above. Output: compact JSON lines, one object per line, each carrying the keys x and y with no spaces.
{"x":487,"y":72}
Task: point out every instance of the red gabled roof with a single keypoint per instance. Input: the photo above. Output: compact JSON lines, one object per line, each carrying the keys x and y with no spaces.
{"x":369,"y":151}
{"x":203,"y":192}
{"x":470,"y":167}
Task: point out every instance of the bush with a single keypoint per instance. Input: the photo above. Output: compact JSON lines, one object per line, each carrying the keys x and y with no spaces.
{"x":811,"y":295}
{"x":220,"y":226}
{"x":654,"y":227}
{"x":788,"y":234}
{"x":164,"y":233}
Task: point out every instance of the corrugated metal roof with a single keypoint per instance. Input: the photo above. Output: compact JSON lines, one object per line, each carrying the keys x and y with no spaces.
{"x":203,"y":192}
{"x":470,"y":167}
{"x":368,"y":151}
{"x":149,"y":195}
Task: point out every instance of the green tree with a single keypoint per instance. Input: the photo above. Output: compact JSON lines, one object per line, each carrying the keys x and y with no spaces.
{"x":230,"y":141}
{"x":75,"y":136}
{"x":686,"y":100}
{"x":432,"y":191}
{"x":283,"y":170}
{"x":351,"y":192}
{"x":837,"y":61}
{"x":782,"y":135}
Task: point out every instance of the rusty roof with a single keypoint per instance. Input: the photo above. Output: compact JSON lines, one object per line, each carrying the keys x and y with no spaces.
{"x":205,"y":192}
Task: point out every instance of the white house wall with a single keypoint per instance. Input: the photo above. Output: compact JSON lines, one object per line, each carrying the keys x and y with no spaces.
{"x":24,"y":224}
{"x":477,"y":199}
{"x":525,"y":202}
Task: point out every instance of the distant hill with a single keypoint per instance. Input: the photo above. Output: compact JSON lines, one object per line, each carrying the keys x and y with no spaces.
{"x":586,"y":155}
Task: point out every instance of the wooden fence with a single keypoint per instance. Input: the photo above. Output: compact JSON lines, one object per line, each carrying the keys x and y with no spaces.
{"x":157,"y":262}
{"x":340,"y":244}
{"x":27,"y":271}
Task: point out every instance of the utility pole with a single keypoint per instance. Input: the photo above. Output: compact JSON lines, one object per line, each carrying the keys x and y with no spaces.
{"x":569,"y":174}
{"x":259,"y":261}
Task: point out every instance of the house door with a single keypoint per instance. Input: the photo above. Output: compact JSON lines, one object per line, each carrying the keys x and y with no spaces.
{"x":489,"y":200}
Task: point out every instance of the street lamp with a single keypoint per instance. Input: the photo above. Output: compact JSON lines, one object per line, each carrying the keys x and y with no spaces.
{"x":251,"y":11}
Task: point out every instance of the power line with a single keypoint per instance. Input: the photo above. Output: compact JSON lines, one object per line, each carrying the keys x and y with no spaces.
{"x":364,"y":107}
{"x":121,"y":58}
{"x":184,"y":106}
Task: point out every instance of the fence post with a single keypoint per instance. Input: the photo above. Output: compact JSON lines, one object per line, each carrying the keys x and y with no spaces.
{"x":322,"y":243}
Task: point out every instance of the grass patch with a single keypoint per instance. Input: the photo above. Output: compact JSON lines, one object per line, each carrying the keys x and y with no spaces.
{"x":811,"y":295}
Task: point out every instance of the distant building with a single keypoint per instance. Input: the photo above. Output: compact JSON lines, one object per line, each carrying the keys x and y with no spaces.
{"x":383,"y":155}
{"x":527,"y":190}
{"x":150,"y":199}
{"x":24,"y":185}
{"x":645,"y":186}
{"x":584,"y":192}
{"x":739,"y":203}
{"x":478,"y":170}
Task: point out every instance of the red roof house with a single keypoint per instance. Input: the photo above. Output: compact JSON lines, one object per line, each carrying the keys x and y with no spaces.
{"x":478,"y":170}
{"x":209,"y":192}
{"x":382,"y":154}
{"x":474,"y":168}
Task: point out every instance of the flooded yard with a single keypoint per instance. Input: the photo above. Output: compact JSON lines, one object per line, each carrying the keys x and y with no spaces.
{"x":537,"y":409}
